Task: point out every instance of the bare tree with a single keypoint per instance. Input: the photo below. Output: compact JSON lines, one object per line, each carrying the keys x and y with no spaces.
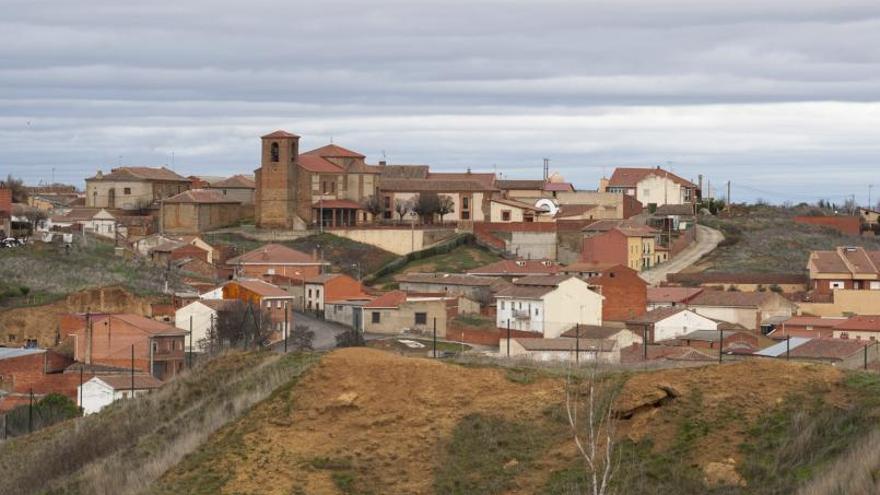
{"x":242,"y":325}
{"x":426,"y":206}
{"x":402,"y":207}
{"x":301,"y":338}
{"x":372,"y":205}
{"x":589,"y":406}
{"x":35,"y":218}
{"x":19,"y":191}
{"x":445,"y":207}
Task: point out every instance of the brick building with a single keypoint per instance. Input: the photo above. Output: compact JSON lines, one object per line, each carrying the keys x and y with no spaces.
{"x":108,"y":340}
{"x":132,"y":188}
{"x":272,"y":299}
{"x":848,"y":267}
{"x":275,"y":259}
{"x":198,"y":210}
{"x":625,"y":293}
{"x":296,"y":190}
{"x":5,"y":210}
{"x":621,"y":242}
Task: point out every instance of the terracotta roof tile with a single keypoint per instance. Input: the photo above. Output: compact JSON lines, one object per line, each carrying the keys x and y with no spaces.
{"x":124,"y":382}
{"x":279,"y":134}
{"x":200,"y":196}
{"x":731,"y":298}
{"x":391,"y":299}
{"x":519,"y":184}
{"x":676,"y":295}
{"x":334,"y":151}
{"x":315,"y":163}
{"x":865,"y":323}
{"x":263,"y":289}
{"x":658,"y":314}
{"x":142,"y":173}
{"x":630,"y":177}
{"x":235,"y":182}
{"x":274,"y":254}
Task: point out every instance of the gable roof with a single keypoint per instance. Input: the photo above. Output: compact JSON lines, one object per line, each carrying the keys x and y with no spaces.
{"x":235,"y":182}
{"x":147,"y":325}
{"x":124,"y":382}
{"x":334,"y":151}
{"x":631,"y":176}
{"x":673,"y":294}
{"x":274,"y":254}
{"x":263,"y":289}
{"x":319,"y":164}
{"x":404,"y":171}
{"x":806,"y":348}
{"x":141,"y":174}
{"x":279,"y":134}
{"x":516,"y":204}
{"x":627,"y":228}
{"x":659,"y":314}
{"x":391,"y":299}
{"x":543,"y":280}
{"x":432,"y":184}
{"x":520,"y":184}
{"x":854,"y":260}
{"x":568,"y":344}
{"x":518,"y":267}
{"x":593,"y":331}
{"x":525,"y":291}
{"x":864,"y":323}
{"x":732,"y":299}
{"x":200,"y":196}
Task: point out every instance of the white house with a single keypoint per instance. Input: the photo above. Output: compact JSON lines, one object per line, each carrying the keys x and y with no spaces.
{"x":548,"y":305}
{"x":670,"y":323}
{"x":652,"y":186}
{"x":564,"y":349}
{"x":201,"y":314}
{"x":101,"y":391}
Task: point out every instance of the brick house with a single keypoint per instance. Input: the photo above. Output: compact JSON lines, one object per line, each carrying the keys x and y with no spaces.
{"x":859,"y":327}
{"x":475,"y":288}
{"x":108,"y":340}
{"x":5,"y":211}
{"x":271,"y":298}
{"x":24,"y":370}
{"x":625,"y":293}
{"x":848,"y":268}
{"x":198,"y":210}
{"x":330,"y":287}
{"x":652,"y":186}
{"x":621,"y":242}
{"x":275,"y":259}
{"x":132,"y":188}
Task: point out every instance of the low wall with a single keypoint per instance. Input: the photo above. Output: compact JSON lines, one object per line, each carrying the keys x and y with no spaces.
{"x":489,"y":337}
{"x":400,"y":241}
{"x":683,"y":242}
{"x":858,"y":302}
{"x":844,"y":224}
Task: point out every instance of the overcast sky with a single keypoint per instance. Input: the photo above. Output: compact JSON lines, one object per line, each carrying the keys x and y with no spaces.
{"x":780,"y":97}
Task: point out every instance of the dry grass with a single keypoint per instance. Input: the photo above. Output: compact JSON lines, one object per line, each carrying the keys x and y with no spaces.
{"x":130,"y":444}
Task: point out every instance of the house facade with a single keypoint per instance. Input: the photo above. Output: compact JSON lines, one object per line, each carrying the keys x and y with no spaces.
{"x":845,"y":268}
{"x":200,"y":317}
{"x":271,"y":298}
{"x":629,"y":244}
{"x":752,"y":310}
{"x":547,"y":305}
{"x":133,"y":188}
{"x":101,"y":391}
{"x":330,"y":287}
{"x":652,"y":186}
{"x":398,"y":312}
{"x":275,"y":260}
{"x":625,"y":293}
{"x":666,"y":324}
{"x":198,"y":210}
{"x":469,"y":193}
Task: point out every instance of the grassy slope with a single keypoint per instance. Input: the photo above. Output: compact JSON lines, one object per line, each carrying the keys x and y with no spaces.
{"x":458,"y":260}
{"x":128,"y":445}
{"x":52,"y":273}
{"x":780,"y":444}
{"x":341,"y":252}
{"x":766,"y":239}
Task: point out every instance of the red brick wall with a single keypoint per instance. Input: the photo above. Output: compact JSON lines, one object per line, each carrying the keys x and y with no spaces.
{"x":631,"y":206}
{"x":610,"y":247}
{"x":23,"y":373}
{"x":626,"y":294}
{"x":112,"y":341}
{"x":845,"y":225}
{"x":485,"y":337}
{"x":5,"y":201}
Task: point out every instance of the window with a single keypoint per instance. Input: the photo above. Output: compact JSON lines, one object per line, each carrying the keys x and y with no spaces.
{"x":536,"y":311}
{"x":387,"y":202}
{"x":465,"y":203}
{"x":421,"y":318}
{"x":502,"y":304}
{"x":268,"y":304}
{"x":126,"y":190}
{"x":274,"y":152}
{"x":465,"y":215}
{"x":875,"y":286}
{"x":646,"y":192}
{"x":324,"y":187}
{"x":376,"y":317}
{"x":836,"y":284}
{"x":310,"y":293}
{"x":505,"y":215}
{"x":277,"y":304}
{"x":317,"y":293}
{"x":10,"y":338}
{"x":333,"y":186}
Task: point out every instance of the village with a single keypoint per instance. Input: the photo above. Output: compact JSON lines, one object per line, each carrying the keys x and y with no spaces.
{"x":464,"y":262}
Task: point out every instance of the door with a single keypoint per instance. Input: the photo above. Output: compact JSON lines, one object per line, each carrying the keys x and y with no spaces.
{"x":356,"y":316}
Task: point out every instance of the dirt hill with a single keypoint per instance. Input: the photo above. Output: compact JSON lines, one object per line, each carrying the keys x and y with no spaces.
{"x":367,"y":421}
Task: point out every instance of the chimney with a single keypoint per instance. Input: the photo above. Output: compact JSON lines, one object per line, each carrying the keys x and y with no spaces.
{"x":469,"y":170}
{"x":99,"y":175}
{"x":382,"y":163}
{"x":603,"y":184}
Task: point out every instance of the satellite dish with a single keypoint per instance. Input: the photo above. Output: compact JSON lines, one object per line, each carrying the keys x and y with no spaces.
{"x":547,"y":205}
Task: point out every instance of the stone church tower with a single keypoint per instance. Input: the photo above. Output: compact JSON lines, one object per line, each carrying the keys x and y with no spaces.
{"x":275,"y":202}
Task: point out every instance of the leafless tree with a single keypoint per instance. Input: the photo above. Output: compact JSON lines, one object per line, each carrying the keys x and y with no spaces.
{"x":372,"y":205}
{"x":589,"y":407}
{"x":402,"y":207}
{"x":242,"y":325}
{"x":19,"y":191}
{"x":35,"y":218}
{"x":426,"y":206}
{"x":445,"y":207}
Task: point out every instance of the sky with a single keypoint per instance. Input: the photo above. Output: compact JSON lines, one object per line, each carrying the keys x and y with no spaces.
{"x":782,"y":98}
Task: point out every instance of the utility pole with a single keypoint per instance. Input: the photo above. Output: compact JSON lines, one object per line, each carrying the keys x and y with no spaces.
{"x":508,"y":336}
{"x":728,"y":195}
{"x":132,"y":371}
{"x":81,"y":366}
{"x":869,"y":206}
{"x":546,"y":169}
{"x":435,"y":337}
{"x":31,"y":412}
{"x":189,"y":355}
{"x":577,"y":342}
{"x":720,"y":345}
{"x":286,"y":323}
{"x":787,"y":347}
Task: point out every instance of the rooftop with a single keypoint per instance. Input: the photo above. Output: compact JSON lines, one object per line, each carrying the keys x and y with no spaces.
{"x":140,"y":174}
{"x":732,"y":299}
{"x":263,"y":289}
{"x":275,"y":254}
{"x":200,"y":196}
{"x":518,"y":267}
{"x":676,"y":295}
{"x":658,"y":314}
{"x":124,"y":382}
{"x":630,"y":177}
{"x":235,"y":182}
{"x":568,"y":344}
{"x":593,"y":331}
{"x":334,"y":151}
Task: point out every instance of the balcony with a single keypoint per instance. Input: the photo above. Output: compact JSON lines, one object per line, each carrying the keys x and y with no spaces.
{"x":521,"y":314}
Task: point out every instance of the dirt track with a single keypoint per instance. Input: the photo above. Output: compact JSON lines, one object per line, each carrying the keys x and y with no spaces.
{"x":707,"y":240}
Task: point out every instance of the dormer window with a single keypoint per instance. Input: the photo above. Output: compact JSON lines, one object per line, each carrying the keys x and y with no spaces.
{"x":274,"y":152}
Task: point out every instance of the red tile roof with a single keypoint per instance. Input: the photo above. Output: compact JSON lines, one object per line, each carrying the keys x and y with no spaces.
{"x":732,"y":299}
{"x":147,"y":325}
{"x":274,"y":254}
{"x":813,"y":321}
{"x":676,"y":295}
{"x":520,"y":184}
{"x":487,"y":180}
{"x":279,"y":134}
{"x":518,"y":267}
{"x":141,"y":173}
{"x":200,"y":196}
{"x":315,"y":163}
{"x":558,"y":186}
{"x":235,"y":182}
{"x":263,"y":289}
{"x":854,"y":260}
{"x":391,"y":299}
{"x":334,"y":151}
{"x":124,"y":382}
{"x":862,"y":323}
{"x":834,"y":349}
{"x":658,"y":314}
{"x":630,"y":177}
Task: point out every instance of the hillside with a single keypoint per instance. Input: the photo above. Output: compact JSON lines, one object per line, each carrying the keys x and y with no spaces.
{"x":49,"y":272}
{"x":762,"y":238}
{"x":125,"y":447}
{"x":365,"y":421}
{"x":351,"y":257}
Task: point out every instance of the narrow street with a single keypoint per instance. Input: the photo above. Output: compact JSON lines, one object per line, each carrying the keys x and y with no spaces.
{"x":707,"y":240}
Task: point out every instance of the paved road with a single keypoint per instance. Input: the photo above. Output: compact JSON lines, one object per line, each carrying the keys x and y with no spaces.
{"x":325,"y":331}
{"x":707,"y":240}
